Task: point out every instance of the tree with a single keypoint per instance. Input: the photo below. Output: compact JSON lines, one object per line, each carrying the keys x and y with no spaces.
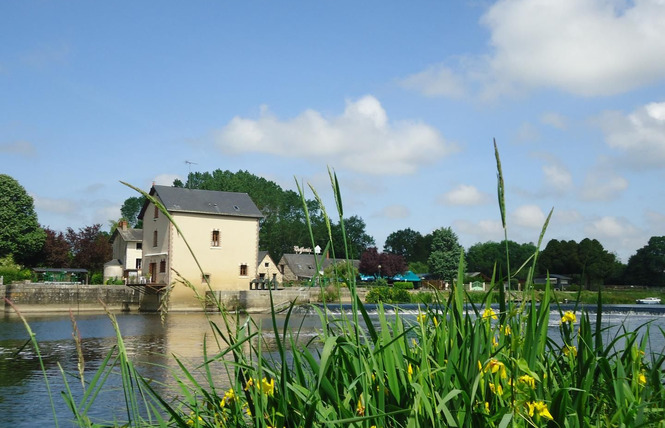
{"x":90,"y":247}
{"x":20,"y":233}
{"x":369,"y":262}
{"x":597,"y":263}
{"x":130,"y":210}
{"x":647,"y":265}
{"x":381,"y":264}
{"x":56,"y":252}
{"x":444,"y":258}
{"x":406,"y":243}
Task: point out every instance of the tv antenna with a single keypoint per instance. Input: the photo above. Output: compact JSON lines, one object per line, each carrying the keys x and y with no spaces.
{"x":189,"y":164}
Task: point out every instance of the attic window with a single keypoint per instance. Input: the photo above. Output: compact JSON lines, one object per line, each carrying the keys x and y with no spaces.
{"x":156,"y":214}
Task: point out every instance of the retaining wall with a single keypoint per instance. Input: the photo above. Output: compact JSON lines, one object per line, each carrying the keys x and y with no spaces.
{"x":40,"y":297}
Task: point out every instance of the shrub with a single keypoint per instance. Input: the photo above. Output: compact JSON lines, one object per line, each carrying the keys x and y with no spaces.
{"x":97,"y":278}
{"x":11,"y":274}
{"x":403,"y":285}
{"x":387,"y":295}
{"x":329,"y":294}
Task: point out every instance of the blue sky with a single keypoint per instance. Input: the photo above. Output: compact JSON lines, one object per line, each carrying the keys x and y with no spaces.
{"x":402,"y":99}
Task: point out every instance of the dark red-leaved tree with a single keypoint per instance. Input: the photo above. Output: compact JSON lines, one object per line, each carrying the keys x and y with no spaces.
{"x":90,"y":248}
{"x":56,"y":252}
{"x":384,"y":264}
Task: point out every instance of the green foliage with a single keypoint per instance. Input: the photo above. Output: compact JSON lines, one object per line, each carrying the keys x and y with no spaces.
{"x":418,"y":267}
{"x":409,"y":244}
{"x":115,"y":281}
{"x":130,"y":210}
{"x":444,"y":257}
{"x":403,"y":285}
{"x":97,"y":278}
{"x":387,"y":295}
{"x":424,"y":297}
{"x":483,"y":257}
{"x":329,"y":294}
{"x":10,"y":274}
{"x":647,"y":265}
{"x":20,"y":233}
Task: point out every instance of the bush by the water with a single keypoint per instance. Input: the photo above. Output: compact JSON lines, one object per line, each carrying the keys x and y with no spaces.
{"x":387,"y":295}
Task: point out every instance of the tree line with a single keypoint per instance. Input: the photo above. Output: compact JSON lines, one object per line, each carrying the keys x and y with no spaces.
{"x":285,"y":225}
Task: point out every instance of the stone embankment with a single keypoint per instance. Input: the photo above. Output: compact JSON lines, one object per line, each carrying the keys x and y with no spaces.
{"x":50,"y":297}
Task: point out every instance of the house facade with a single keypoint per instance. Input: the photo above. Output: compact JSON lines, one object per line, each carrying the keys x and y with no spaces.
{"x":127,"y":244}
{"x":222,"y":230}
{"x":267,"y":269}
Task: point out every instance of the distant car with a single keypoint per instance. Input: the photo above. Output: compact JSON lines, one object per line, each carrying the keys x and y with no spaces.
{"x":648,"y":301}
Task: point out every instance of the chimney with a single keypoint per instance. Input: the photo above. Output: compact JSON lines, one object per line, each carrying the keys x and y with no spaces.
{"x":122,"y":225}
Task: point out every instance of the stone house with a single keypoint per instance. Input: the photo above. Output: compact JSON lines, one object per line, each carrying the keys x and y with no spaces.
{"x":298,"y":267}
{"x":222,"y":230}
{"x":127,"y":246}
{"x":267,"y":269}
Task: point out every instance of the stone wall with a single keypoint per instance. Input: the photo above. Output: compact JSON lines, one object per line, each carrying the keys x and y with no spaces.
{"x":40,"y":297}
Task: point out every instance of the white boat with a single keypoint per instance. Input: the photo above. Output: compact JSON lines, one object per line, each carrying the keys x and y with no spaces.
{"x":648,"y":301}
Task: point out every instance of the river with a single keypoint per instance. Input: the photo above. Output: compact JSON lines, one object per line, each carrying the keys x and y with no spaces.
{"x":24,"y":398}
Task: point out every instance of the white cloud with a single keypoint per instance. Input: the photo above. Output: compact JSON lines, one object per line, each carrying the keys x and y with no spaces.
{"x":527,"y":133}
{"x":464,"y":195}
{"x":167,"y":179}
{"x":557,"y":178}
{"x":584,"y":47}
{"x":587,"y":47}
{"x":529,"y":216}
{"x":555,"y":120}
{"x":361,"y":139}
{"x":602,"y":184}
{"x":394,"y":212}
{"x":639,"y":136}
{"x":481,"y":231}
{"x":616,"y":232}
{"x":436,"y":81}
{"x":57,"y":206}
{"x":22,"y":148}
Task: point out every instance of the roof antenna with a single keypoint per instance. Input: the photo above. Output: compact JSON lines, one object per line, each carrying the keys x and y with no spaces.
{"x":190,"y":163}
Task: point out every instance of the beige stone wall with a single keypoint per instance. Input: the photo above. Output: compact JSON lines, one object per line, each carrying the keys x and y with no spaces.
{"x":269,"y":271}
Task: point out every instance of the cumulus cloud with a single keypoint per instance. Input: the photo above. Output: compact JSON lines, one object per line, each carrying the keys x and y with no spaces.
{"x":639,"y":136}
{"x":21,"y":148}
{"x":616,"y":232}
{"x":361,"y":139}
{"x":584,"y":47}
{"x":528,"y":216}
{"x":464,"y":195}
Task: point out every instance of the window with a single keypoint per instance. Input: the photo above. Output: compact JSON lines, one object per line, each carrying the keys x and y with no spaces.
{"x":243,"y":270}
{"x":267,"y":264}
{"x":139,"y":245}
{"x":162,"y":266}
{"x":205,"y":278}
{"x":154,"y":238}
{"x":138,"y":263}
{"x":156,"y":214}
{"x":214,"y":242}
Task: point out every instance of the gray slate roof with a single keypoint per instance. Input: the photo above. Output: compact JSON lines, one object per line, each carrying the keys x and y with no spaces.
{"x":304,"y":265}
{"x":178,"y":199}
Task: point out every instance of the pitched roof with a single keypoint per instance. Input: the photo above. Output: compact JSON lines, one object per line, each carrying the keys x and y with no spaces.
{"x":178,"y":199}
{"x":304,"y":265}
{"x":128,"y":235}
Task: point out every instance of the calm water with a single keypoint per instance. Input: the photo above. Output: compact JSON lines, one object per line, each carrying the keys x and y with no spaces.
{"x":24,"y":400}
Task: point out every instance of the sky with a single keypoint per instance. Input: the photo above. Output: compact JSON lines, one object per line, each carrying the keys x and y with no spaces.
{"x":402,"y":100}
